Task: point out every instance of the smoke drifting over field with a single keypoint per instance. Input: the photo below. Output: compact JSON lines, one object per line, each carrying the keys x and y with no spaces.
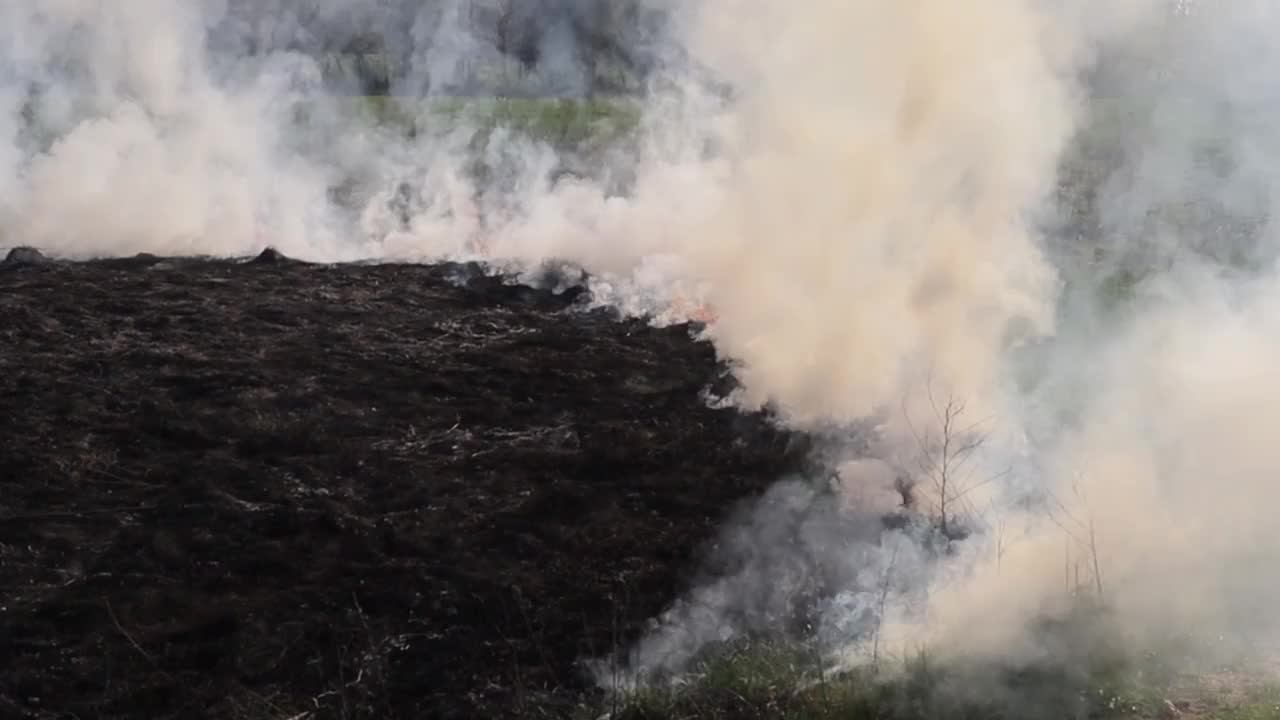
{"x":874,"y":210}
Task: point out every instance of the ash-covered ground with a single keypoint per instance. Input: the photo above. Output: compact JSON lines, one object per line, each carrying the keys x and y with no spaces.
{"x":274,"y":489}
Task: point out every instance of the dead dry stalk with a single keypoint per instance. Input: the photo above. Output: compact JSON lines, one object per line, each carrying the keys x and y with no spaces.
{"x":1082,"y":533}
{"x":945,"y":453}
{"x":882,"y":602}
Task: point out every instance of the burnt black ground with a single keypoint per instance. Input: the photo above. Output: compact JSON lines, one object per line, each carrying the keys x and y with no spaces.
{"x":252,"y":490}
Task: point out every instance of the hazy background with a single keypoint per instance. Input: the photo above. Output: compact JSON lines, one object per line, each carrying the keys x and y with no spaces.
{"x":1014,"y":260}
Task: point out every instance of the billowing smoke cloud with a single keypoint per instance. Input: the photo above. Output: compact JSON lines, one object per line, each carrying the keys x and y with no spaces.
{"x":909,"y":219}
{"x":120,"y":140}
{"x":1117,"y":469}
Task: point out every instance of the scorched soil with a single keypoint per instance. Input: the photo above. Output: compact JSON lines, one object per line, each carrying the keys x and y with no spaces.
{"x":279,"y":490}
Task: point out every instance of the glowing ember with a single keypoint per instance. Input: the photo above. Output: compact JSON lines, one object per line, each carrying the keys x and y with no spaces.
{"x":696,"y":312}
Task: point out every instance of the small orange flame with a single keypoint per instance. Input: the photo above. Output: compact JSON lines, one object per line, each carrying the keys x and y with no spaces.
{"x":701,"y":312}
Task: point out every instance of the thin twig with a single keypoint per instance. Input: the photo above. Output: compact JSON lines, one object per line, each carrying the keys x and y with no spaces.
{"x":73,"y":514}
{"x":884,"y":598}
{"x":127,"y":636}
{"x":1097,"y":567}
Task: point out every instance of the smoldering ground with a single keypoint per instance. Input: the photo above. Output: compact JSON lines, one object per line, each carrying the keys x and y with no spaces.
{"x":909,"y":212}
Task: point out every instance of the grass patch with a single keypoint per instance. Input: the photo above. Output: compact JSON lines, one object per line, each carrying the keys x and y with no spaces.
{"x":557,"y":121}
{"x":1261,"y":703}
{"x":785,"y":682}
{"x":560,"y":122}
{"x":1085,"y":670}
{"x":584,"y":133}
{"x":771,"y":685}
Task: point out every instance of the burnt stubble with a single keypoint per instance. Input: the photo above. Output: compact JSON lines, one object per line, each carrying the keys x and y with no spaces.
{"x":277,"y":489}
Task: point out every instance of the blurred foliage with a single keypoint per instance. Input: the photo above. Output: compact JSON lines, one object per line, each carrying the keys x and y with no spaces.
{"x":564,"y":123}
{"x":1261,"y":703}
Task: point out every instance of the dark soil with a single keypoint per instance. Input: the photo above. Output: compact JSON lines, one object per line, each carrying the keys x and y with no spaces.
{"x":274,"y":490}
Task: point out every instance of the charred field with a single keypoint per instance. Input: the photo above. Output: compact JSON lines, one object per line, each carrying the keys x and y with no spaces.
{"x":277,"y":489}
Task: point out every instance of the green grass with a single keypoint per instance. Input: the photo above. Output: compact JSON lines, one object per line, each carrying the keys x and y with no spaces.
{"x":1262,"y":703}
{"x":1088,"y":674}
{"x":784,"y":682}
{"x":560,"y":122}
{"x":552,"y":120}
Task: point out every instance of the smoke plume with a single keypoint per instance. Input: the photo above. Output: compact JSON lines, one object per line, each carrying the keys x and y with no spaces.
{"x":1013,"y":261}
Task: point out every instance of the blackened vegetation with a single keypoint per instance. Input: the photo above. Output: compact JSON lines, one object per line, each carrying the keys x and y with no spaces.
{"x":23,"y":257}
{"x":264,"y":489}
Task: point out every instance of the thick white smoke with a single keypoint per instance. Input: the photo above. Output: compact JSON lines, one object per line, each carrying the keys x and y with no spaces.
{"x":860,"y":196}
{"x":120,"y":140}
{"x":1149,"y":471}
{"x":881,"y":259}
